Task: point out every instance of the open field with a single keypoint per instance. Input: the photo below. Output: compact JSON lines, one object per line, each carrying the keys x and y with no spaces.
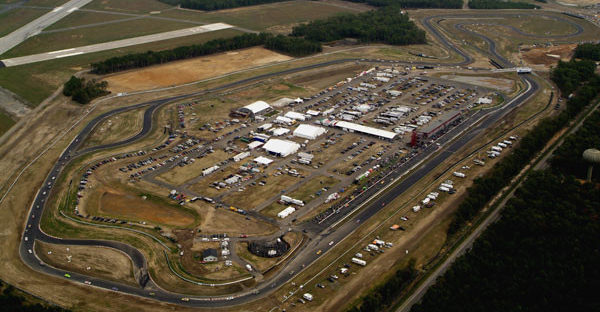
{"x":219,"y":220}
{"x":94,"y":261}
{"x":35,"y":82}
{"x":81,"y":18}
{"x":192,"y":70}
{"x":276,"y":17}
{"x":138,"y":6}
{"x":116,"y":128}
{"x":502,"y":84}
{"x":545,"y":57}
{"x":135,"y":207}
{"x":15,"y":18}
{"x":5,"y":122}
{"x":305,"y":192}
{"x":254,"y":195}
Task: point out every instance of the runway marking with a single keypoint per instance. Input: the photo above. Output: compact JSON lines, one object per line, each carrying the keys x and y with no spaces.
{"x":70,"y":54}
{"x":72,"y":9}
{"x":56,"y":9}
{"x":61,"y":51}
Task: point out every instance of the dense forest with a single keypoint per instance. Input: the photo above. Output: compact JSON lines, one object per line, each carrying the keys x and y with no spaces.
{"x":445,"y":4}
{"x":384,"y":25}
{"x":385,"y":294}
{"x":567,"y":158}
{"x":292,"y":46}
{"x":588,"y":51}
{"x":82,"y":91}
{"x":212,"y":5}
{"x":543,"y":254}
{"x":11,"y":301}
{"x":568,"y":75}
{"x":498,"y":4}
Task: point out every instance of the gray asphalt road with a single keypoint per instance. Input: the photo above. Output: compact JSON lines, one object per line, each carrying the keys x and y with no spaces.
{"x":36,"y":26}
{"x":114,"y":44}
{"x":472,"y":127}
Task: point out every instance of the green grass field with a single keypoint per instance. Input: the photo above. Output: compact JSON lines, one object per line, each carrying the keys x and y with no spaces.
{"x":127,"y":6}
{"x":35,"y":82}
{"x":5,"y":122}
{"x":80,"y":18}
{"x":15,"y":18}
{"x":263,"y":17}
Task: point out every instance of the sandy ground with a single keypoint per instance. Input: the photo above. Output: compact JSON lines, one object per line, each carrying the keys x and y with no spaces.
{"x":578,"y":2}
{"x":192,"y":70}
{"x":10,"y":103}
{"x":94,"y":261}
{"x":540,"y":56}
{"x":501,"y":84}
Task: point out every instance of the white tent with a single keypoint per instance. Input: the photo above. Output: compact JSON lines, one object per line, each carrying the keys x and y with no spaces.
{"x":281,"y":148}
{"x":263,"y":160}
{"x":283,"y":120}
{"x":296,"y":116}
{"x":258,"y":107}
{"x":309,"y":131}
{"x":254,"y":144}
{"x":280,"y":131}
{"x":286,"y":212}
{"x":348,"y":126}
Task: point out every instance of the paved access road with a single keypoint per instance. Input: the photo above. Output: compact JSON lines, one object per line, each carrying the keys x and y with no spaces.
{"x":332,"y":230}
{"x":114,"y":44}
{"x":36,"y":26}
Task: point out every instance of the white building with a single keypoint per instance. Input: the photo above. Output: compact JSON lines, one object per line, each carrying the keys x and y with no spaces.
{"x":254,"y":144}
{"x":484,"y":100}
{"x":309,"y":131}
{"x":263,"y":160}
{"x":258,"y":107}
{"x":352,"y":127}
{"x":280,"y":131}
{"x":281,"y":148}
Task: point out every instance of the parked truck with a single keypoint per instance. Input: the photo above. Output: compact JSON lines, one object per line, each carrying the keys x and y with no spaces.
{"x":359,"y":261}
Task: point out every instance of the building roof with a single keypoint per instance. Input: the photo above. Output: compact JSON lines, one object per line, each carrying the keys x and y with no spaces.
{"x":309,"y":131}
{"x":295,"y":115}
{"x":258,"y":106}
{"x":254,"y":144}
{"x":209,"y":252}
{"x":280,"y":131}
{"x":263,"y":160}
{"x":364,"y":129}
{"x":282,"y":148}
{"x":439,"y":122}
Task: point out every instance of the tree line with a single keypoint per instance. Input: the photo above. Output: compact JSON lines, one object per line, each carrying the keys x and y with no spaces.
{"x":498,"y":4}
{"x":588,"y":51}
{"x":385,"y":25}
{"x":386,"y":293}
{"x":83,"y":91}
{"x":567,"y":158}
{"x":414,"y":4}
{"x":568,"y":75}
{"x":213,"y":5}
{"x":542,"y":255}
{"x":12,"y":301}
{"x":280,"y":43}
{"x":484,"y":188}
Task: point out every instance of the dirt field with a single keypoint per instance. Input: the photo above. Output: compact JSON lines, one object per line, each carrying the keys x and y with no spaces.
{"x":135,"y":207}
{"x":192,"y":70}
{"x":501,"y":84}
{"x":578,"y":2}
{"x":546,"y":57}
{"x":95,"y":261}
{"x":223,"y":221}
{"x":116,"y":128}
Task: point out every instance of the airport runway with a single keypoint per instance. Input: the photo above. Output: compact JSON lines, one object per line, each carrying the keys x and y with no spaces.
{"x":114,"y":44}
{"x":36,"y":26}
{"x":456,"y":139}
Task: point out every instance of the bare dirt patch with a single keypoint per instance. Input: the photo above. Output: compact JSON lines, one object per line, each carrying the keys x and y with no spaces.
{"x":135,"y":207}
{"x":89,"y":260}
{"x":223,"y":221}
{"x":548,"y":56}
{"x":501,"y":84}
{"x":192,"y":70}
